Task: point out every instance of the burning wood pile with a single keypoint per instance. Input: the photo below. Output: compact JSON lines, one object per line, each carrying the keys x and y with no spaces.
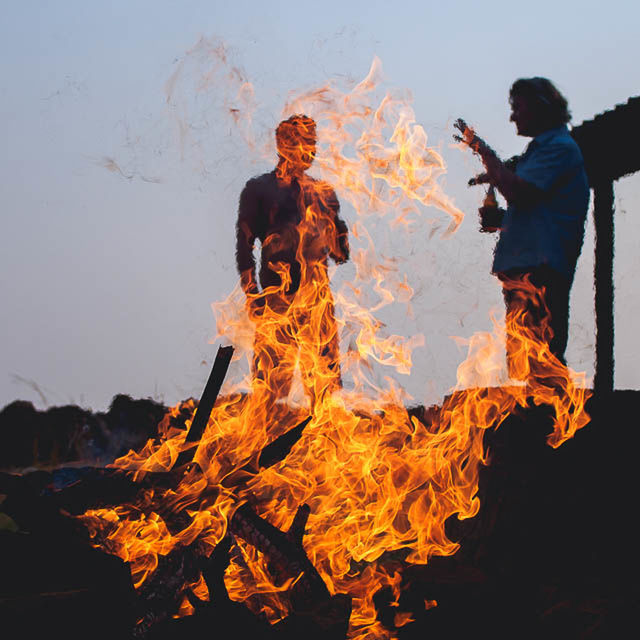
{"x":513,"y":568}
{"x":345,"y":516}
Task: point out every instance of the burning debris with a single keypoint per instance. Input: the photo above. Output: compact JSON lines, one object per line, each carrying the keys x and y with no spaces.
{"x":180,"y":553}
{"x":534,"y":560}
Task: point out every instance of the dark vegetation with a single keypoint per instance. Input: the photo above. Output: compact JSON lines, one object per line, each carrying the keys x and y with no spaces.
{"x":69,"y":434}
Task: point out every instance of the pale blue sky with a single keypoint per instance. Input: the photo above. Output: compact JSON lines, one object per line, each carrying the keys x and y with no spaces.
{"x":107,"y":282}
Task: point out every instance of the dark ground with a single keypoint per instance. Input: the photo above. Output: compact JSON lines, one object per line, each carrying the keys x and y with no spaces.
{"x":553,"y":552}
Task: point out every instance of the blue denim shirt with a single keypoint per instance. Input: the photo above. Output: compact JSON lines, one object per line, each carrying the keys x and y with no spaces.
{"x":551,"y":231}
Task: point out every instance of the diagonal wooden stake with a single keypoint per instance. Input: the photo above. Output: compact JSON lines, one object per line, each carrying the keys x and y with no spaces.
{"x":279,"y":449}
{"x":207,"y":401}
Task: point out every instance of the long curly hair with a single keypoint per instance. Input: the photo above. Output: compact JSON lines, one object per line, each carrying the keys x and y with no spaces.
{"x":544,"y":97}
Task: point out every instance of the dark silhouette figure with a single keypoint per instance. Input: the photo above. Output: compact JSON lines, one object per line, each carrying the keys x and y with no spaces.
{"x":296,"y":220}
{"x":542,"y":230}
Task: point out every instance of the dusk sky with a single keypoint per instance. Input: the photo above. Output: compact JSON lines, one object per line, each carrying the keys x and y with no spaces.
{"x":119,"y":205}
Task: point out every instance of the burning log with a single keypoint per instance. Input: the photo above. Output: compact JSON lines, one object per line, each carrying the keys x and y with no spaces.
{"x":160,"y":595}
{"x":510,"y":569}
{"x":284,"y":553}
{"x":210,"y":393}
{"x":315,"y":611}
{"x":207,"y":400}
{"x":271,"y":454}
{"x":323,"y":616}
{"x":277,"y":450}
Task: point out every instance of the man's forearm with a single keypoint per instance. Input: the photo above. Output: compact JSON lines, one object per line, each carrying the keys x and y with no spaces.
{"x":497,"y":173}
{"x":246,"y":233}
{"x":500,"y":174}
{"x":248,"y":282}
{"x":509,"y":184}
{"x":343,"y":241}
{"x":245,"y":261}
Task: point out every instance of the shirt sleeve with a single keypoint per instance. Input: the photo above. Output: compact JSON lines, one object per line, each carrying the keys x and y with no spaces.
{"x":339,"y":252}
{"x":549,"y":164}
{"x":246,"y":234}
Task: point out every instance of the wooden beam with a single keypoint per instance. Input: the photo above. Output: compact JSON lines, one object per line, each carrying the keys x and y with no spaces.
{"x":603,"y":210}
{"x":205,"y":406}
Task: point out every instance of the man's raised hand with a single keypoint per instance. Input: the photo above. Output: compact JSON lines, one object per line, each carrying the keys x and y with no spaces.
{"x":467,"y":132}
{"x":481,"y":178}
{"x":470,"y":138}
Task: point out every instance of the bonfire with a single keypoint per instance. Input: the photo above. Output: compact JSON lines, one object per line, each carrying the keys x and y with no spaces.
{"x":356,"y":477}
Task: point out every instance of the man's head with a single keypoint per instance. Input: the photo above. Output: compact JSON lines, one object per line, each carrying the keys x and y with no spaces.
{"x":536,"y":106}
{"x":296,"y":142}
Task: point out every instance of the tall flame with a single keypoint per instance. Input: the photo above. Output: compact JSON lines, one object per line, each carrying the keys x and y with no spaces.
{"x":376,"y":480}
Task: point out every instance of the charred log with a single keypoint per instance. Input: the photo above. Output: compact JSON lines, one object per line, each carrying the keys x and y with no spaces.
{"x":286,"y":559}
{"x":216,"y":612}
{"x":315,"y":613}
{"x":207,"y":400}
{"x":279,"y":449}
{"x":160,"y":595}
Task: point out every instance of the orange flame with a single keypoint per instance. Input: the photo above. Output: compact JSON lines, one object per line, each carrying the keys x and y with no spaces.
{"x":376,"y":480}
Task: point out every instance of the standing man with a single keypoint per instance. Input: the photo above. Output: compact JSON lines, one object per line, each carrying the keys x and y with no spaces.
{"x":542,"y":230}
{"x":296,"y":220}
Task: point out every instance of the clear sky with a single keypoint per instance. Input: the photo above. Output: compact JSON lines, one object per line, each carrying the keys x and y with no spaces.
{"x":107,"y":277}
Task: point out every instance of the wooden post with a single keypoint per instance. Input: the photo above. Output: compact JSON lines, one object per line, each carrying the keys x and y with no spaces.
{"x":603,"y":206}
{"x":205,"y":406}
{"x":210,"y":393}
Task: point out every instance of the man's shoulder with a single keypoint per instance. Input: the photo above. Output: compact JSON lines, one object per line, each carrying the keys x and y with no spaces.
{"x":561,"y":140}
{"x":558,"y":147}
{"x":261,"y":182}
{"x":256,"y":191}
{"x":320,"y":187}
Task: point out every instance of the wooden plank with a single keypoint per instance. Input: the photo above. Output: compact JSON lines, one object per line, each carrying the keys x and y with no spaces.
{"x":603,"y":214}
{"x":207,"y":401}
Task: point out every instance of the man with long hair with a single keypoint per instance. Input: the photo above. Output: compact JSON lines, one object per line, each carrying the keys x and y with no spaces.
{"x":542,"y":230}
{"x":296,"y":220}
